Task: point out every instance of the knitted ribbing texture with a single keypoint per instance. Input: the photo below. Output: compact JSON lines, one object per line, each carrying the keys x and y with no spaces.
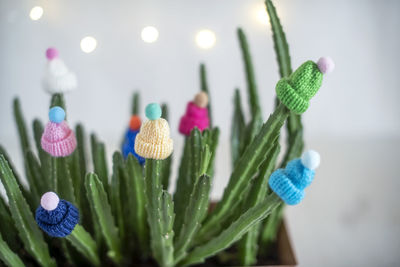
{"x":153,"y":141}
{"x":296,"y":91}
{"x":195,"y":116}
{"x":289,"y":183}
{"x":58,"y":139}
{"x":58,"y":222}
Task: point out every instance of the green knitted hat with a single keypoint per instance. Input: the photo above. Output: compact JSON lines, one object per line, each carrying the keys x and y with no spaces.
{"x":296,"y":91}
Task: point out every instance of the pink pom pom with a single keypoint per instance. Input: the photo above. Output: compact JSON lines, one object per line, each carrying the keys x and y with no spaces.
{"x":51,"y":53}
{"x":325,"y":65}
{"x":49,"y":201}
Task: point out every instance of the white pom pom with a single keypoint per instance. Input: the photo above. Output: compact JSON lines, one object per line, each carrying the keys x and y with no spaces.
{"x":49,"y":201}
{"x":326,"y":65}
{"x":310,"y":159}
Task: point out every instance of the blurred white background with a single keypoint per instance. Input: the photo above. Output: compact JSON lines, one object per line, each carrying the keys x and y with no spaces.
{"x":350,"y":216}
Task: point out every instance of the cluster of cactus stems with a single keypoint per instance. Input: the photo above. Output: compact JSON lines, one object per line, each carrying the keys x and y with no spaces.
{"x":130,"y":217}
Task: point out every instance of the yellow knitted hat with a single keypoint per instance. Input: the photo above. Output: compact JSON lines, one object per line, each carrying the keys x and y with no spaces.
{"x":153,"y":140}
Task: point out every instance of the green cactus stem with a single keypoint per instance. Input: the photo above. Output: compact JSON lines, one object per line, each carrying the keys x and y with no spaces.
{"x":28,"y":231}
{"x":99,"y":160}
{"x":244,"y":170}
{"x":237,"y":128}
{"x":136,"y":199}
{"x":234,"y":232}
{"x":248,"y":245}
{"x":204,"y":88}
{"x":44,"y":157}
{"x":85,"y":244}
{"x":166,"y":166}
{"x":158,"y":215}
{"x":188,"y":174}
{"x":100,"y":207}
{"x":58,"y":100}
{"x":116,"y":191}
{"x":195,"y":213}
{"x":8,"y":256}
{"x":250,"y":76}
{"x":135,"y":107}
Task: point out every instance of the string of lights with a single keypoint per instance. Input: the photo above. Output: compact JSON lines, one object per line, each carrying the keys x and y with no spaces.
{"x":204,"y":38}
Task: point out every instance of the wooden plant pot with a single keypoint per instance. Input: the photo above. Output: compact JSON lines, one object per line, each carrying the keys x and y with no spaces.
{"x":284,"y":251}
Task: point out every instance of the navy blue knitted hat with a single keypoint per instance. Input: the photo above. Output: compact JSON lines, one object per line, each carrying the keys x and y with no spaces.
{"x":57,"y":217}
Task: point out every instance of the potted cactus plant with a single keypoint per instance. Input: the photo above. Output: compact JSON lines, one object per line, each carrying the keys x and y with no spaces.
{"x":75,"y":215}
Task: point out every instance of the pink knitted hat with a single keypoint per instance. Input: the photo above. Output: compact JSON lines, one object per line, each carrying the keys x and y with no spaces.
{"x":196,"y":115}
{"x":58,"y":139}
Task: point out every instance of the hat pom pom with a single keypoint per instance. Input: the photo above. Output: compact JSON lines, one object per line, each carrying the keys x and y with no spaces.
{"x":153,"y":111}
{"x":135,"y":123}
{"x":56,"y":114}
{"x":325,"y":65}
{"x":51,"y":53}
{"x":49,"y":201}
{"x":201,"y":100}
{"x":310,"y":159}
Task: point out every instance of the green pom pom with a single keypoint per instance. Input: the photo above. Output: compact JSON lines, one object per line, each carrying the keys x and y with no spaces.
{"x":153,"y":111}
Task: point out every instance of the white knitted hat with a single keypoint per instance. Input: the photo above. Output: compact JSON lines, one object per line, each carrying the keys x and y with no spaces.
{"x":57,"y":77}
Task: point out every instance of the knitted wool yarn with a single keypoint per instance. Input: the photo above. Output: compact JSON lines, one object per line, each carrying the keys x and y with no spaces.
{"x":58,"y":139}
{"x":296,"y":91}
{"x":56,"y":217}
{"x":128,"y":146}
{"x":57,"y":78}
{"x":153,"y":140}
{"x":196,"y":115}
{"x":289,"y":183}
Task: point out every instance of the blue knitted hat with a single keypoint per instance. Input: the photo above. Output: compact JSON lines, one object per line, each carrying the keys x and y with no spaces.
{"x":57,"y":217}
{"x":128,"y":146}
{"x":289,"y":183}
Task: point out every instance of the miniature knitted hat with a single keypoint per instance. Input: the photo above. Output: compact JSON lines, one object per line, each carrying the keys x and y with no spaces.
{"x":128,"y":147}
{"x":57,"y":217}
{"x":196,"y":115}
{"x":153,"y":140}
{"x":296,"y":91}
{"x":57,"y":78}
{"x":289,"y":183}
{"x":58,"y":139}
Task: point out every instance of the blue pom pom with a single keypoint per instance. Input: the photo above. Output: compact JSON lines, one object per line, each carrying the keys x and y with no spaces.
{"x":129,"y":146}
{"x":58,"y":222}
{"x":56,"y":114}
{"x":153,"y":111}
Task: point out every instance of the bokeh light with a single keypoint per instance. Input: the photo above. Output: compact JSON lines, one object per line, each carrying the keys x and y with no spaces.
{"x":36,"y":13}
{"x":88,"y":44}
{"x":149,"y":34}
{"x":205,"y":39}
